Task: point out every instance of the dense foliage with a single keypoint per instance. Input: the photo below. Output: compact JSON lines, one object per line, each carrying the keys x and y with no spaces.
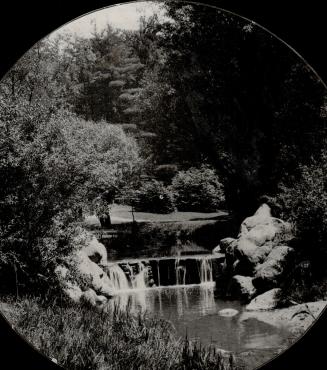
{"x":226,"y":91}
{"x":53,"y":165}
{"x":197,"y":189}
{"x":153,"y":196}
{"x":305,"y":205}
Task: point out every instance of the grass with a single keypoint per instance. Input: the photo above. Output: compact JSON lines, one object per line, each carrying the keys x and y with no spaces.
{"x":82,"y":337}
{"x":122,"y":214}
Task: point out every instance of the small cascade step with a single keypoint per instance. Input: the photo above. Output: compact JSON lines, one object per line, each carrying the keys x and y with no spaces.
{"x":161,"y":272}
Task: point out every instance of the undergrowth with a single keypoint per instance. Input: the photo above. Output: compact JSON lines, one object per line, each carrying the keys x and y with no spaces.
{"x":83,"y":337}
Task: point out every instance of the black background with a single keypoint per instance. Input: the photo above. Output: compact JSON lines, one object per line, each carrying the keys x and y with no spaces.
{"x":302,"y":25}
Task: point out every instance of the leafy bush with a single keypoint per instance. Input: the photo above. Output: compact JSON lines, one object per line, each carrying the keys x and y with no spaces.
{"x":197,"y":189}
{"x":301,"y":285}
{"x":153,"y":196}
{"x":305,"y":205}
{"x":54,"y":164}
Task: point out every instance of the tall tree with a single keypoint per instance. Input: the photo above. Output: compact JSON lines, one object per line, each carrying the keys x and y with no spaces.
{"x":228,"y":91}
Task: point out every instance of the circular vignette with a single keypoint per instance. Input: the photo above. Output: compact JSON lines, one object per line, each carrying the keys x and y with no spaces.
{"x":254,"y":25}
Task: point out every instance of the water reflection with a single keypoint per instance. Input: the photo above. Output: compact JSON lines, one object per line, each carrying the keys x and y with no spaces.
{"x":194,"y":310}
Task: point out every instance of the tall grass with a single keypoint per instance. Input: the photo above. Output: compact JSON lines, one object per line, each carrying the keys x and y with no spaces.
{"x":82,"y":337}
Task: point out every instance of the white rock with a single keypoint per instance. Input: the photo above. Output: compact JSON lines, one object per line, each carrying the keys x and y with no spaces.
{"x":265,"y":301}
{"x":90,"y":297}
{"x":73,"y":292}
{"x":98,"y":278}
{"x":216,"y":250}
{"x":241,"y":287}
{"x":96,"y":250}
{"x":261,"y":217}
{"x":228,"y":312}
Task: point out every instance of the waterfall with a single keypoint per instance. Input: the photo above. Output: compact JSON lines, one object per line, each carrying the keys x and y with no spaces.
{"x":205,"y":271}
{"x":158,"y":272}
{"x":180,"y":271}
{"x":139,"y":280}
{"x":117,"y":277}
{"x":161,"y":271}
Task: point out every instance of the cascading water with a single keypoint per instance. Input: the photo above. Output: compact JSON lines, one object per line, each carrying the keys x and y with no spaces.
{"x":158,"y":272}
{"x":161,"y":272}
{"x":206,"y":275}
{"x":117,"y":277}
{"x":180,"y":271}
{"x":139,"y":280}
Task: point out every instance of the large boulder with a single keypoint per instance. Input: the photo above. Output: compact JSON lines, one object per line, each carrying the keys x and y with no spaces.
{"x":261,"y":217}
{"x":96,"y":251}
{"x":224,"y":243}
{"x":241,"y":287}
{"x":258,"y":251}
{"x":95,"y":276}
{"x":90,"y":297}
{"x":269,"y":273}
{"x":265,"y":301}
{"x":258,"y":236}
{"x":262,"y":228}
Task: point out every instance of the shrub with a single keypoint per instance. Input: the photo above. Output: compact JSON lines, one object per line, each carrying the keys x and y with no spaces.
{"x":305,"y":205}
{"x":166,"y":172}
{"x":153,"y":196}
{"x":197,"y":189}
{"x":54,"y":164}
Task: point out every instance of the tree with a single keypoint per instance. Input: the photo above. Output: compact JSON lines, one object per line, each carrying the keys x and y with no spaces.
{"x":53,"y":164}
{"x":226,"y":91}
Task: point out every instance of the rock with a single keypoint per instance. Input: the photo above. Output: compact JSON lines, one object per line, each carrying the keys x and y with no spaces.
{"x":96,"y":276}
{"x":262,"y":228}
{"x":261,"y":217}
{"x":73,"y":292}
{"x":245,"y":249}
{"x":228,"y":312}
{"x":216,"y":250}
{"x":265,"y":301}
{"x":296,"y":318}
{"x":269,"y":273}
{"x":101,"y":299}
{"x":246,"y":252}
{"x":224,"y":243}
{"x":262,"y":233}
{"x":96,"y":251}
{"x":230,"y":253}
{"x":260,"y":255}
{"x":89,"y":296}
{"x":241,"y":287}
{"x":259,"y":235}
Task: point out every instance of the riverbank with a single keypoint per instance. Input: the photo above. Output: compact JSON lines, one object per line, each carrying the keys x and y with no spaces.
{"x":297,"y":319}
{"x":79,"y":337}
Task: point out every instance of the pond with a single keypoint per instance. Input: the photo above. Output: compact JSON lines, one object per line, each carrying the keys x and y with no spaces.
{"x":183,"y":292}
